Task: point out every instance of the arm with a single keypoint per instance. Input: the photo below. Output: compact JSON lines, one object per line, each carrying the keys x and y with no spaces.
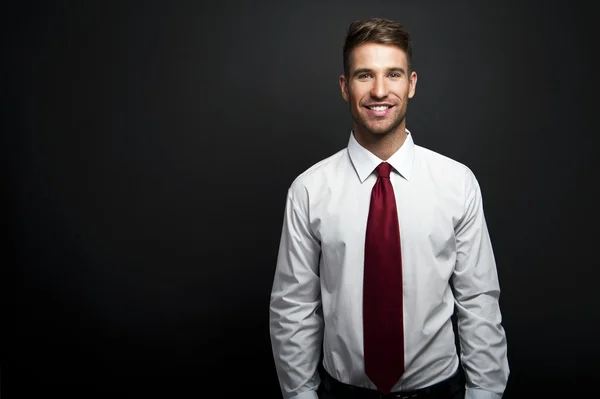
{"x":477,"y":292}
{"x":296,"y":324}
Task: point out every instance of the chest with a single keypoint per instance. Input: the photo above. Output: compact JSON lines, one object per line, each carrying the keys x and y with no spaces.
{"x":427,"y":215}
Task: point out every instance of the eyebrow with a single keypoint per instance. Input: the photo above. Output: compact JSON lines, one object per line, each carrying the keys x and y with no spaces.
{"x":364,"y":70}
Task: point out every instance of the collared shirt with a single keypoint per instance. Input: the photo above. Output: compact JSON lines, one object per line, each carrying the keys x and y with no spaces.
{"x":316,"y":297}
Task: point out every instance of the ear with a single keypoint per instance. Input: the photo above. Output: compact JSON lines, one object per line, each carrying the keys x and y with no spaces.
{"x":412,"y":84}
{"x":344,"y":86}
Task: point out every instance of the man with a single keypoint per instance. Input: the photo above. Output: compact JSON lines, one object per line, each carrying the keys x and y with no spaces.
{"x":381,"y":243}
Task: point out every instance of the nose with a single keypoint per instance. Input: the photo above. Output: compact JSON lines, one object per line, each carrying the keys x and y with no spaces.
{"x":379,"y":88}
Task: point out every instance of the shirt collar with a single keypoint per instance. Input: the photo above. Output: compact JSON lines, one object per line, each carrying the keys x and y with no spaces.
{"x":365,"y":161}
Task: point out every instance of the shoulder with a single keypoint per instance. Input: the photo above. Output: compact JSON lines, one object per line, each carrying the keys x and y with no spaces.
{"x":316,"y":177}
{"x":449,"y":176}
{"x":443,"y":166}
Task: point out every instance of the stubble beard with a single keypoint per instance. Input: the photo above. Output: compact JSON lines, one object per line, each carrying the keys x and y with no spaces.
{"x":375,"y":130}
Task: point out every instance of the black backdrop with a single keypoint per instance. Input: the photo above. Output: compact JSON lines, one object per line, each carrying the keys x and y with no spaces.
{"x":148,"y":147}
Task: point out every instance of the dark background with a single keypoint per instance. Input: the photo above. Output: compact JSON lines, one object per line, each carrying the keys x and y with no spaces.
{"x":148,"y":147}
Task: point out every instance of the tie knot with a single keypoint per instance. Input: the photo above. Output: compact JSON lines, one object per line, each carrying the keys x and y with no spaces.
{"x":384,"y":169}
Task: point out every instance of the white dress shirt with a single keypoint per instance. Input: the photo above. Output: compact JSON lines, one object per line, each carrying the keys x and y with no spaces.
{"x":317,"y":289}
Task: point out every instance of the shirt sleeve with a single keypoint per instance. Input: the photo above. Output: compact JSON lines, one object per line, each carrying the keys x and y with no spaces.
{"x":477,"y":291}
{"x":296,"y":322}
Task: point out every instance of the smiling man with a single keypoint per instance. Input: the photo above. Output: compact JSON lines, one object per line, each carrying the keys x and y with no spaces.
{"x":381,"y":244}
{"x":377,"y":84}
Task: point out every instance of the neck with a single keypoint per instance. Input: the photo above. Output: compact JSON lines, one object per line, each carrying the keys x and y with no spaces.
{"x":382,"y":145}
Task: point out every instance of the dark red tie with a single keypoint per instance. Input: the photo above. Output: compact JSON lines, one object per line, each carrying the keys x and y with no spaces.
{"x":382,"y":290}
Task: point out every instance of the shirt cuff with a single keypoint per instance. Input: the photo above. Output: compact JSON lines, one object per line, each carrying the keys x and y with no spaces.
{"x":476,"y":393}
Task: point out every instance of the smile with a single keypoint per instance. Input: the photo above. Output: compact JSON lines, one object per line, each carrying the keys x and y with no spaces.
{"x":379,"y":110}
{"x":379,"y":107}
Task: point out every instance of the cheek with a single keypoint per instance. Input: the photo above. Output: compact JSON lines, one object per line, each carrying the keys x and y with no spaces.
{"x":353,"y":99}
{"x":403,"y":90}
{"x":357,"y":94}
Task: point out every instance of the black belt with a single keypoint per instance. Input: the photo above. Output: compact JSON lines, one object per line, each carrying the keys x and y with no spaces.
{"x":443,"y":389}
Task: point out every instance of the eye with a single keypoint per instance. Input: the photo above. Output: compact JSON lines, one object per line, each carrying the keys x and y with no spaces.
{"x":364,"y":75}
{"x":394,"y":75}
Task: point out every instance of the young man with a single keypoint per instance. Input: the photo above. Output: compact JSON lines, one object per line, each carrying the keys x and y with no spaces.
{"x":381,"y":242}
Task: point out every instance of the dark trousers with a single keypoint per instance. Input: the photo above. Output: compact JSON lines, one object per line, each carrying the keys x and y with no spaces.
{"x":452,"y":388}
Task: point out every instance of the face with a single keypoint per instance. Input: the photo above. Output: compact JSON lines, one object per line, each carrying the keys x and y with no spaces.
{"x":377,"y":88}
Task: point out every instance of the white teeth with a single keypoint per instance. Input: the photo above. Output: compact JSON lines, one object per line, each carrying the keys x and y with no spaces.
{"x":380,"y":108}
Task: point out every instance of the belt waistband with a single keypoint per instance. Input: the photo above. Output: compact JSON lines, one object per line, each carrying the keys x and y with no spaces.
{"x":441,"y":389}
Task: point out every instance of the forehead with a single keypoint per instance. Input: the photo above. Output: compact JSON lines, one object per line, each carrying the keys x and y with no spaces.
{"x":378,"y":56}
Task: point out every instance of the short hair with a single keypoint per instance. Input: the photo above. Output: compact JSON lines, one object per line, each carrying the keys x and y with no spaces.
{"x":377,"y":30}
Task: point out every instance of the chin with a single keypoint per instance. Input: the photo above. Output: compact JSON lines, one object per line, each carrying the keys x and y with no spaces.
{"x":380,"y":130}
